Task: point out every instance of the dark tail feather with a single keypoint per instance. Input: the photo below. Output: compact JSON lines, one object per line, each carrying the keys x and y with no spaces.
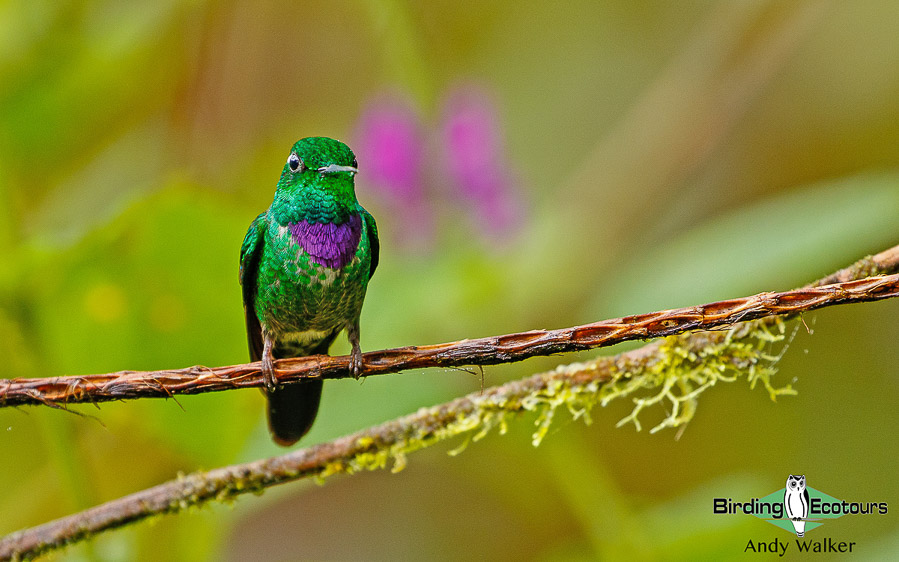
{"x":292,"y":410}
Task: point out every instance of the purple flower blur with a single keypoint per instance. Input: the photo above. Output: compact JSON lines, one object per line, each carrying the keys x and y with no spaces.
{"x":393,"y":151}
{"x":389,"y":145}
{"x":476,"y":161}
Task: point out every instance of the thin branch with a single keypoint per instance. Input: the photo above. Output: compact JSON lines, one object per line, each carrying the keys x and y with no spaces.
{"x":374,"y":447}
{"x":60,"y":391}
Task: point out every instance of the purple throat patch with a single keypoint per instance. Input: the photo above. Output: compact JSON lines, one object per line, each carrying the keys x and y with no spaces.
{"x":328,"y":244}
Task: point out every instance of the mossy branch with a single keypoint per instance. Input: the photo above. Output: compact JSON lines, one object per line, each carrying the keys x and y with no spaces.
{"x":674,"y":370}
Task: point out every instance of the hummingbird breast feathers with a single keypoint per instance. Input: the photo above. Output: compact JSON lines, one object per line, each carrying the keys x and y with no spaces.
{"x":312,"y":278}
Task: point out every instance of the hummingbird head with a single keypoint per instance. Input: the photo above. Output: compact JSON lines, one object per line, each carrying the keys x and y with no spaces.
{"x":316,"y":183}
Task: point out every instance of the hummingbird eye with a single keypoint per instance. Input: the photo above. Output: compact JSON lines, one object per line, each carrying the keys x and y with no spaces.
{"x":295,"y":163}
{"x":355,"y":165}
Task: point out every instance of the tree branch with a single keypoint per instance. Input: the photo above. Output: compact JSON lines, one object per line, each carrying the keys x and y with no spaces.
{"x":61,"y":391}
{"x":577,"y":386}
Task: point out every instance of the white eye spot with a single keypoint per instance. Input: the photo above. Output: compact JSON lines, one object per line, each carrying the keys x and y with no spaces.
{"x":295,"y":163}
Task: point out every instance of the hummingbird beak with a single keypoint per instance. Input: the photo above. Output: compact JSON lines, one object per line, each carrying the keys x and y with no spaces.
{"x":334,"y":168}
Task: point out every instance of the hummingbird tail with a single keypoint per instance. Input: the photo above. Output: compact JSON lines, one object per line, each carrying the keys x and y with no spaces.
{"x":292,"y":410}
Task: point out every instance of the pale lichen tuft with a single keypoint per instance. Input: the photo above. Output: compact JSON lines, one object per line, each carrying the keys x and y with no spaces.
{"x":682,"y":369}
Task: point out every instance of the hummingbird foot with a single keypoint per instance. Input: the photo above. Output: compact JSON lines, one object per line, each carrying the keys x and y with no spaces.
{"x":268,"y":367}
{"x":356,"y":356}
{"x":356,"y":362}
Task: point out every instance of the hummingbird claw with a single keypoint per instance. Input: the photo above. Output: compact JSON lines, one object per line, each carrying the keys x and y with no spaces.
{"x":356,"y":356}
{"x":268,"y":369}
{"x":356,"y":363}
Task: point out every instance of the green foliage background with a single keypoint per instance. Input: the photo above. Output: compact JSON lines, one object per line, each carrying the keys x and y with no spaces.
{"x":670,"y":153}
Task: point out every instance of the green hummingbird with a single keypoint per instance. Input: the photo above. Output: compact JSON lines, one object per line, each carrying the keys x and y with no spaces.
{"x":305,"y":264}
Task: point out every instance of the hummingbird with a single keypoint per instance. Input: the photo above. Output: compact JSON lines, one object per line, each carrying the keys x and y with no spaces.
{"x":305,"y":265}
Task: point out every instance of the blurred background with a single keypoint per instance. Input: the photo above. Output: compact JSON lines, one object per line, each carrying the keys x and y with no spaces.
{"x":529,"y":167}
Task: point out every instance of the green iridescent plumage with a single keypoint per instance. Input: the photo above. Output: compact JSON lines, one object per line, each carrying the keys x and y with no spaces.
{"x":304,"y":268}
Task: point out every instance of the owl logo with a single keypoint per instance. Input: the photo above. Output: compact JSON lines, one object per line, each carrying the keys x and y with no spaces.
{"x":796,"y":502}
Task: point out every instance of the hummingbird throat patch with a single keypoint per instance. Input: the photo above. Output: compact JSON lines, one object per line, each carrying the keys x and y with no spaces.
{"x":329,"y":244}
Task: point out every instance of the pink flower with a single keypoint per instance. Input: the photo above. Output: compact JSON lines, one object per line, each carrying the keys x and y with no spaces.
{"x":389,"y":146}
{"x":392,"y":149}
{"x":476,"y":161}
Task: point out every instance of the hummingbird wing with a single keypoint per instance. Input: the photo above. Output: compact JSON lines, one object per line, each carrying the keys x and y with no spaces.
{"x":250,"y":252}
{"x":372,"y":228}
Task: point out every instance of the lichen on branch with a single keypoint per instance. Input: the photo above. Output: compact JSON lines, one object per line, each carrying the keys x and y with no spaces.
{"x":677,"y":371}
